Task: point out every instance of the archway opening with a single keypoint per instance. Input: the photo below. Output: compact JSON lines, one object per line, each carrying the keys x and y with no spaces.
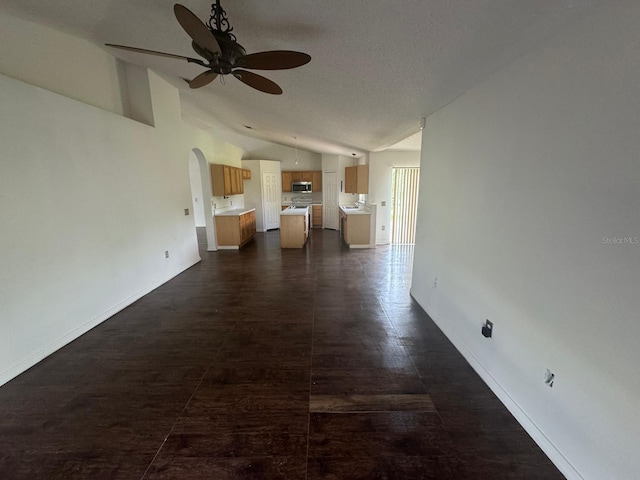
{"x":199,"y":176}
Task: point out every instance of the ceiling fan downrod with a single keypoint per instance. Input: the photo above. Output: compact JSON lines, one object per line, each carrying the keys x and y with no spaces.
{"x":220,"y":20}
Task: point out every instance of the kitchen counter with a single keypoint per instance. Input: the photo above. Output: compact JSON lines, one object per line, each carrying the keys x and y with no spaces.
{"x":233,"y":212}
{"x":295,"y":211}
{"x":234,"y":227}
{"x":294,"y":227}
{"x":357,"y":225}
{"x":355,"y":211}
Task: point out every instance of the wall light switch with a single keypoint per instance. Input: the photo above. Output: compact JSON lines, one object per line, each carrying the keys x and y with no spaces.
{"x":383,"y":204}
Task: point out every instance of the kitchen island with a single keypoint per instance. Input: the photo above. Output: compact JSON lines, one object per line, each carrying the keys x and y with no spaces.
{"x":294,"y":227}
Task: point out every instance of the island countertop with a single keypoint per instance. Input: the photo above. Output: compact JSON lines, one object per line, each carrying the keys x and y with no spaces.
{"x":233,"y":212}
{"x":295,"y":211}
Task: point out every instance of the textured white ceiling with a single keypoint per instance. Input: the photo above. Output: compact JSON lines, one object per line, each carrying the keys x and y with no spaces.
{"x":377,"y":66}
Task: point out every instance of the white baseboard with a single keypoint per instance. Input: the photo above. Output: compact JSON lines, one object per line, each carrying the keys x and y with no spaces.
{"x":36,"y":357}
{"x":538,"y":436}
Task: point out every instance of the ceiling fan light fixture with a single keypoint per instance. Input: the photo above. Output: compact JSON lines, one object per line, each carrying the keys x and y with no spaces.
{"x":222,"y":53}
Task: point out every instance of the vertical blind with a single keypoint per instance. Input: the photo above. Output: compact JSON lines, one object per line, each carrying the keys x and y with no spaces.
{"x":404,"y":205}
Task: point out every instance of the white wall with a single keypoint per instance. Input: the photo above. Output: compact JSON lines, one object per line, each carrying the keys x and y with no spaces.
{"x":42,"y":56}
{"x":90,"y":202}
{"x":381,"y":165}
{"x":523,"y":179}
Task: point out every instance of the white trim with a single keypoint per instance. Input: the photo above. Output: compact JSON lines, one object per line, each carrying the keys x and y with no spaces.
{"x":44,"y":352}
{"x":538,"y":436}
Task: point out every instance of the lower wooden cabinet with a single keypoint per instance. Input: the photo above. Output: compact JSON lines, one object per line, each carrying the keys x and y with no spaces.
{"x":354,"y":229}
{"x":233,"y":231}
{"x":316,"y":216}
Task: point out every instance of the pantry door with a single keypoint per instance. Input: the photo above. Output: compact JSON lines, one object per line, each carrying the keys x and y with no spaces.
{"x":330,"y":200}
{"x":271,"y":200}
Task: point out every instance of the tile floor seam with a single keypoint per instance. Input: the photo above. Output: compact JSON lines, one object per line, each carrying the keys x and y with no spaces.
{"x":313,"y":324}
{"x":186,"y":405}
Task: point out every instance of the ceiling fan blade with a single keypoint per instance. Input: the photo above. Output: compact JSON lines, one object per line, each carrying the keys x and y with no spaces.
{"x":274,"y":60}
{"x":197,"y":30}
{"x":153,"y":52}
{"x":205,"y":78}
{"x":258,"y":82}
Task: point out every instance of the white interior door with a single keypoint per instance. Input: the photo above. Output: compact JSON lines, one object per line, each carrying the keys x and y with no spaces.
{"x":271,"y":200}
{"x":330,"y":200}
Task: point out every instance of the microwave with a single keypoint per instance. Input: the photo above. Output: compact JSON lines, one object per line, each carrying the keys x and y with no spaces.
{"x":301,"y":187}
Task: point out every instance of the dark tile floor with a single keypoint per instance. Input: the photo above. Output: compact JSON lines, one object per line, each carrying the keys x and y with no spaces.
{"x":266,"y":364}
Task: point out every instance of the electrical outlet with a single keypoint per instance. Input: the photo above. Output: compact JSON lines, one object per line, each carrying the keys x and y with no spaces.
{"x":231,"y":202}
{"x":215,"y":206}
{"x":166,"y":254}
{"x":435,"y":282}
{"x":186,"y":212}
{"x":487,"y":329}
{"x":549,"y":378}
{"x":383,"y":227}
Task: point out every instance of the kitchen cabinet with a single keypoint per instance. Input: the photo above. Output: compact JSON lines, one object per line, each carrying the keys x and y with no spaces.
{"x":316,"y":216}
{"x":233,"y":230}
{"x":356,"y":179}
{"x":286,"y":181}
{"x":315,"y":177}
{"x":354,"y":229}
{"x":226,"y":180}
{"x":246,"y":174}
{"x":294,"y":228}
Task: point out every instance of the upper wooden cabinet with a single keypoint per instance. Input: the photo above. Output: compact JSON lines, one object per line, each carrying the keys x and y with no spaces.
{"x":246,"y":174}
{"x":356,"y":179}
{"x":226,"y":180}
{"x":286,"y":181}
{"x":315,"y":177}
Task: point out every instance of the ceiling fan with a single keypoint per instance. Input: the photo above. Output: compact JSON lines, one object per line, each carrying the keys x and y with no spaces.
{"x":223,"y":55}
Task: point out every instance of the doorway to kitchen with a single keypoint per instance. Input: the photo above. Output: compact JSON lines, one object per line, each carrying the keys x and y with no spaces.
{"x":404,"y":205}
{"x":199,"y":177}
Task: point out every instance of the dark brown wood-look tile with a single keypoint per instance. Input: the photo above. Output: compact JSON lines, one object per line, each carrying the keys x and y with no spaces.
{"x":223,"y":373}
{"x":370,"y":403}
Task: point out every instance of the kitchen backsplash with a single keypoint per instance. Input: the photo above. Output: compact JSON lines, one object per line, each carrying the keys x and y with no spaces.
{"x":288,"y":197}
{"x":225,"y":203}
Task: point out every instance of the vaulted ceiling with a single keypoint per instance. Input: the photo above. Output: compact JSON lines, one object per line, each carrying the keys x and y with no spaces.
{"x":377,"y":66}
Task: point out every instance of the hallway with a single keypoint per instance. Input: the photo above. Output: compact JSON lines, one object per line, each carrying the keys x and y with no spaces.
{"x":266,"y":364}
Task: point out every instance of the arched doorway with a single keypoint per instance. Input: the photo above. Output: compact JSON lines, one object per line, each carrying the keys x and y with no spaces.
{"x":201,"y":196}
